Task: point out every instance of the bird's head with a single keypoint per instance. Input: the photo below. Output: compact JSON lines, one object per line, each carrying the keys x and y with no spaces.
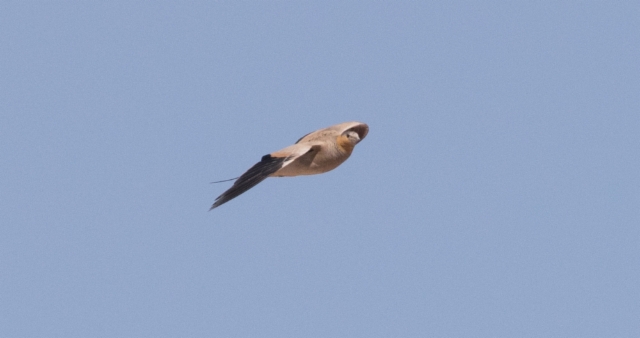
{"x":352,"y":136}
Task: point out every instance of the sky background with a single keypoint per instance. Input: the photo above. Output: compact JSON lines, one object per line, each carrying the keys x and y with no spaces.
{"x":496,"y":195}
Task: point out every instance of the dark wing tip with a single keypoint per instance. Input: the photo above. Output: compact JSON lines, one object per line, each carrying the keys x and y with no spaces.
{"x":256,"y":174}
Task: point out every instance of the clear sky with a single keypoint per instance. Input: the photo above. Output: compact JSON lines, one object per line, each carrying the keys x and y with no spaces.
{"x":496,"y":195}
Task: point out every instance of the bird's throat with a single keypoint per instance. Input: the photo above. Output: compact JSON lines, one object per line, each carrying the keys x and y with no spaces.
{"x":344,"y":144}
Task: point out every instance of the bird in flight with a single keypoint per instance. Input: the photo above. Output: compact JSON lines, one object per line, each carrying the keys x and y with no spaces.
{"x":315,"y":153}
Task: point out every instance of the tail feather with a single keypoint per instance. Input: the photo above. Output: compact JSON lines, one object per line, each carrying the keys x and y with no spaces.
{"x":256,"y":174}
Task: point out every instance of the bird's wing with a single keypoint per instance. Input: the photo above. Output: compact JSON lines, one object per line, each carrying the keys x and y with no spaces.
{"x":269,"y":164}
{"x":331,"y":132}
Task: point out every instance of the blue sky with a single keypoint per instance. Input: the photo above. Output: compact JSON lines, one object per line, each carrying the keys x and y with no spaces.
{"x":496,"y":195}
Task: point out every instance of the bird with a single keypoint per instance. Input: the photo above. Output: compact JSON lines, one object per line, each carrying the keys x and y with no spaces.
{"x":314,"y":153}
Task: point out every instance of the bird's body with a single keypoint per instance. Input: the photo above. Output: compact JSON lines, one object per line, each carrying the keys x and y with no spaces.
{"x":315,"y":153}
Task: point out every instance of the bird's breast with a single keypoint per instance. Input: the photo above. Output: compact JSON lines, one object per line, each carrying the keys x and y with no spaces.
{"x":344,"y":144}
{"x":328,"y":158}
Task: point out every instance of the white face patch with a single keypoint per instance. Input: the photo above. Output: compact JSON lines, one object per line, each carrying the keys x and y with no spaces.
{"x":353,"y":136}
